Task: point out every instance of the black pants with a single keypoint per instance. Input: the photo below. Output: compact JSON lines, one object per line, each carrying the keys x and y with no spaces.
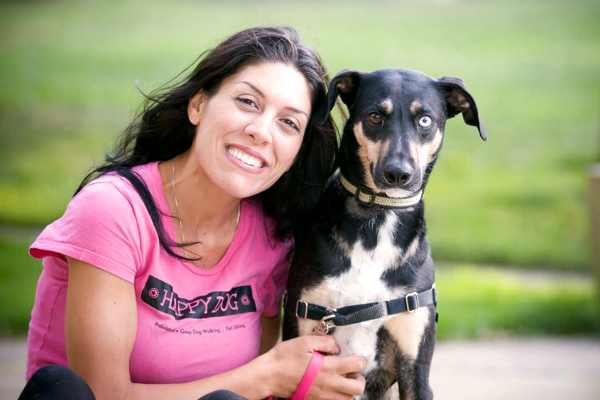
{"x":57,"y":382}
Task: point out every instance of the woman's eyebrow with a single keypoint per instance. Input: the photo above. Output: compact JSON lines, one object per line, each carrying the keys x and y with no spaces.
{"x":296,"y":110}
{"x":257,"y":90}
{"x":261,"y":94}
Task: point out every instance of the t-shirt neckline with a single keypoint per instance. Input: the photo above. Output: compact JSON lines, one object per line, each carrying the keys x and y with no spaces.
{"x":169,"y":225}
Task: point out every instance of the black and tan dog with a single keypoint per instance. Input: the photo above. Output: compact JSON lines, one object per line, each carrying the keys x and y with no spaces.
{"x":365,"y":273}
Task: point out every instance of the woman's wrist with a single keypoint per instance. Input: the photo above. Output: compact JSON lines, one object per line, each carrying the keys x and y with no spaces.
{"x":269,"y":376}
{"x":256,"y":378}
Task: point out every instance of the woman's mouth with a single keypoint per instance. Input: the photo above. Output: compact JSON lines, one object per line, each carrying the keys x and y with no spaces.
{"x":245,"y":158}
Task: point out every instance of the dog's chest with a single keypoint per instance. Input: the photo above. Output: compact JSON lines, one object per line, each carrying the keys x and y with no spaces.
{"x":361,"y":283}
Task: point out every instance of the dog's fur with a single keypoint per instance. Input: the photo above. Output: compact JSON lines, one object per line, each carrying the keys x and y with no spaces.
{"x":356,"y":253}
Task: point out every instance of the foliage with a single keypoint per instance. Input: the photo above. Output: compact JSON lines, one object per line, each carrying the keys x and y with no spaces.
{"x":478,"y":302}
{"x":67,"y":88}
{"x":474,"y":302}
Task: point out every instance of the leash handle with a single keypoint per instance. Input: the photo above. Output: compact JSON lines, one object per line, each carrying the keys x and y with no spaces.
{"x":314,"y":366}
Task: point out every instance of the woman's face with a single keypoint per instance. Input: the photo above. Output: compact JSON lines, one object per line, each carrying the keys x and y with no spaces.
{"x":249,"y":132}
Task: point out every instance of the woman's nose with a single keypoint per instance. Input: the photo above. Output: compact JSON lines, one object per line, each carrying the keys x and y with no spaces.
{"x":259,"y":129}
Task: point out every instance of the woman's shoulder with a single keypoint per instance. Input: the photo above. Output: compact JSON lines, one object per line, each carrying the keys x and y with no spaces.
{"x":104,"y":224}
{"x":112,"y":188}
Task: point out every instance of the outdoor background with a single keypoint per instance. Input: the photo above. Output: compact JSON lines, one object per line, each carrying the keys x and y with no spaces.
{"x":507,"y":218}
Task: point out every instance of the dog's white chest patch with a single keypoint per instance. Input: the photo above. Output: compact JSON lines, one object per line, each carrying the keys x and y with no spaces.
{"x":363,"y":284}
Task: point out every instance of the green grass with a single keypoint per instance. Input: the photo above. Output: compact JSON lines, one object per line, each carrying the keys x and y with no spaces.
{"x":18,"y":278}
{"x":474,"y":302}
{"x":67,"y":88}
{"x":477,"y":302}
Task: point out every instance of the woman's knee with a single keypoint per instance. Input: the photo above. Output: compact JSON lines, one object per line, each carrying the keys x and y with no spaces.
{"x":56,"y":382}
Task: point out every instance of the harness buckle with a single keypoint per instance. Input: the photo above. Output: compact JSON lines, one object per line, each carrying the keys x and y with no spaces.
{"x":305,"y":304}
{"x":384,"y":306}
{"x":324,"y":326}
{"x":412,"y":302}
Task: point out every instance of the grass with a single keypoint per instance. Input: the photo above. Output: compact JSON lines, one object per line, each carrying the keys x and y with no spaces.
{"x":67,"y":88}
{"x":480,"y":302}
{"x":474,"y":302}
{"x":18,"y":278}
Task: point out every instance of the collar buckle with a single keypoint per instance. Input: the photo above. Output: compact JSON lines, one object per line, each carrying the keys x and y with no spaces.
{"x":365,"y":191}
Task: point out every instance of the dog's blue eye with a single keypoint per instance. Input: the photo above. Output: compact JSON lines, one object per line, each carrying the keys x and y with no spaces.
{"x":425,"y":121}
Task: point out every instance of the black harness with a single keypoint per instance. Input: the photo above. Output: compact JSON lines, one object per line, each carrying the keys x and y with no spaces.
{"x":330,"y":318}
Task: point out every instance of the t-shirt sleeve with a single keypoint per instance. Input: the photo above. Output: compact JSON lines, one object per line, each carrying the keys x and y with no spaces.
{"x":99,"y":227}
{"x":275,"y":286}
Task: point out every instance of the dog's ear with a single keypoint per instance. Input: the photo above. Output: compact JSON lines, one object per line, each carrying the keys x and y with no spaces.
{"x":344,"y":84}
{"x":459,"y":100}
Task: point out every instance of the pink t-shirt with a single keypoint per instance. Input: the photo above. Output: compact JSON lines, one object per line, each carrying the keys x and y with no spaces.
{"x":191,"y":323}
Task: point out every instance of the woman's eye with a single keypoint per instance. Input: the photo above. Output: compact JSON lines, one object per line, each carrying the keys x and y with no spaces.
{"x":425,"y":121}
{"x":291,"y":124}
{"x":246,"y":101}
{"x":375,"y":118}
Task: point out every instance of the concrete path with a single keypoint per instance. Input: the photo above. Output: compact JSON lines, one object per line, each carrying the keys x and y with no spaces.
{"x":532,"y":369}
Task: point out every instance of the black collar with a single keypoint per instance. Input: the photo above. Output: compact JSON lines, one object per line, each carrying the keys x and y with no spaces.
{"x":330,"y":318}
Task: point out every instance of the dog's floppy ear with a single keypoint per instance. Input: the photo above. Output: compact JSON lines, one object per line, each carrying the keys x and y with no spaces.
{"x":344,"y":84}
{"x":459,"y":100}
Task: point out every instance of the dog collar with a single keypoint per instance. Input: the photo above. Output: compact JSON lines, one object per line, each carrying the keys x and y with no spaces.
{"x":354,"y":314}
{"x":367,"y":197}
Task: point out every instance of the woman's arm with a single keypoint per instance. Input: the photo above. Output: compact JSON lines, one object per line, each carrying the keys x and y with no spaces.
{"x":101,"y":323}
{"x":270,"y":332}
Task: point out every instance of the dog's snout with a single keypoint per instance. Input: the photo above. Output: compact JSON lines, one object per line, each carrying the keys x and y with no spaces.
{"x":397,"y":174}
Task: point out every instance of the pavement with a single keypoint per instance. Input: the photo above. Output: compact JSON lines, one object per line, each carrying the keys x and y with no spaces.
{"x":492,"y":369}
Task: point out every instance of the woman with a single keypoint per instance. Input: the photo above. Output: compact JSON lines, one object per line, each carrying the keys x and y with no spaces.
{"x":176,"y":255}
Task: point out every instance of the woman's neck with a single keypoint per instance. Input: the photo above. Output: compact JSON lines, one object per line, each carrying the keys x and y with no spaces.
{"x":204,"y":214}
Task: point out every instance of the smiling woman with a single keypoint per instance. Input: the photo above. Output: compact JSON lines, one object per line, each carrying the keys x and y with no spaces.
{"x":249,"y":132}
{"x":163,"y":279}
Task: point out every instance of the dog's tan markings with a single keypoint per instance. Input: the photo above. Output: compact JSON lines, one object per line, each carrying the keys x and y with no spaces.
{"x":387,"y":106}
{"x":416,"y":107}
{"x":408,"y":329}
{"x":434,"y":146}
{"x":366,"y":150}
{"x":341,"y":242}
{"x":424,"y":152}
{"x":410,"y":250}
{"x":321,"y":295}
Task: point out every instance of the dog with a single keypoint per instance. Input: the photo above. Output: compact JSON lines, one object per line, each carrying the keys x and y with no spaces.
{"x":364,"y":271}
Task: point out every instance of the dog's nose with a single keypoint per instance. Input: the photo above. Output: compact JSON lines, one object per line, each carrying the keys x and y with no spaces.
{"x":397,"y":174}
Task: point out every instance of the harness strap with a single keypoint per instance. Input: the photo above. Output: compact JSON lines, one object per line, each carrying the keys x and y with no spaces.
{"x":361,"y":312}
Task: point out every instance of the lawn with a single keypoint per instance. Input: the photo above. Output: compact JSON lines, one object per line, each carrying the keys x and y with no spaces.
{"x":67,"y":88}
{"x":475,"y":302}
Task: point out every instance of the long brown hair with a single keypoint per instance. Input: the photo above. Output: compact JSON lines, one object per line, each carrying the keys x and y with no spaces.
{"x":162,"y":129}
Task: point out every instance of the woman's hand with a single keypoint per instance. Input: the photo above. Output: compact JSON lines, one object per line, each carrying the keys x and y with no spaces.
{"x":338,"y":378}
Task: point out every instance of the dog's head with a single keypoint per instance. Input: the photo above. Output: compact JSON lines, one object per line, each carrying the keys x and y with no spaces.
{"x":396,"y":125}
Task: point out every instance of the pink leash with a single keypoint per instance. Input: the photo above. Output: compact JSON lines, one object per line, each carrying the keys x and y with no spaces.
{"x":309,"y":376}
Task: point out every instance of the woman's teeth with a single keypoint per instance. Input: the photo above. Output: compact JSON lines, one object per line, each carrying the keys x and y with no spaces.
{"x":245,"y":158}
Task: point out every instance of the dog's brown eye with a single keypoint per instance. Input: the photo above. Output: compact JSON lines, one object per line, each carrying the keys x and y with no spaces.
{"x":375,"y":119}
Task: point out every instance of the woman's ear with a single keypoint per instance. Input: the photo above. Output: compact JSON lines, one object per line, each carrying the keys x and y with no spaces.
{"x":195,"y":107}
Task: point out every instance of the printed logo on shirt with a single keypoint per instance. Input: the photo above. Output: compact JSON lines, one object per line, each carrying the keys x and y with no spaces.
{"x":160,"y":295}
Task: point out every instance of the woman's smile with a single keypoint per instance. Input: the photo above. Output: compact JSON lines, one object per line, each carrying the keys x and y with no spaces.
{"x":245,"y":158}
